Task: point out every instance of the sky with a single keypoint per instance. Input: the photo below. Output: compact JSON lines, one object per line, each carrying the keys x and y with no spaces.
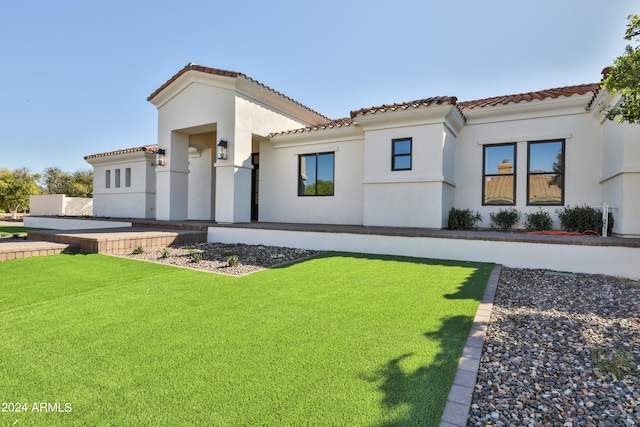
{"x":75,"y":75}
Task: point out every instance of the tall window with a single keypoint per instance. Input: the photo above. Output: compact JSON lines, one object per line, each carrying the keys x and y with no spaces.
{"x":107,"y":178}
{"x":545,"y":184}
{"x":117,"y":178}
{"x":401,"y":154}
{"x":127,"y":177}
{"x":499,"y":174}
{"x":316,"y":176}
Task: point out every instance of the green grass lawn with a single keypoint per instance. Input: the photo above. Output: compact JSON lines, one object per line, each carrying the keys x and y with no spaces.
{"x":11,"y":230}
{"x":338,"y":339}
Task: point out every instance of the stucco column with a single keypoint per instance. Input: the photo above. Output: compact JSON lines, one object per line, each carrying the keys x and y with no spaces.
{"x":233,"y":182}
{"x":172,"y":178}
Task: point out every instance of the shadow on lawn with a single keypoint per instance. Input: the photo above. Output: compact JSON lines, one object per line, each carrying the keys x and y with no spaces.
{"x":418,"y":397}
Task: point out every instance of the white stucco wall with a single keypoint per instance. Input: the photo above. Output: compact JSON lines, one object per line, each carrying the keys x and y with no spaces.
{"x":279,"y":200}
{"x":236,"y":109}
{"x":582,"y":135}
{"x":201,"y":176}
{"x":47,"y":204}
{"x":60,"y":204}
{"x":413,"y":198}
{"x":620,"y":178}
{"x":135,"y":201}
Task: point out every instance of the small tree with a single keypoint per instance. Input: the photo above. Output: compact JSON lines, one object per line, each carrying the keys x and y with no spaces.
{"x":15,"y":188}
{"x":77,"y":184}
{"x":624,"y":78}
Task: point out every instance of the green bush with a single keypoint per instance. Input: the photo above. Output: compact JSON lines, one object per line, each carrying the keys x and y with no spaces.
{"x":463,"y":219}
{"x":538,"y":221}
{"x":164,"y":252}
{"x":233,"y":261}
{"x":505,"y":219}
{"x":582,"y":218}
{"x":138,"y":250}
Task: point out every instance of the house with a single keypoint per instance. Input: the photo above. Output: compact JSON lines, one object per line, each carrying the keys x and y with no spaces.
{"x":231,"y":149}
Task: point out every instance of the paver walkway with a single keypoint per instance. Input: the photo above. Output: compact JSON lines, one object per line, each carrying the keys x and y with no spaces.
{"x":25,"y":249}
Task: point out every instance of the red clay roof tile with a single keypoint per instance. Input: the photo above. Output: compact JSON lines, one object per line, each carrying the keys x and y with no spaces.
{"x":451,"y":100}
{"x":348,"y":121}
{"x":148,"y":148}
{"x":530,"y":96}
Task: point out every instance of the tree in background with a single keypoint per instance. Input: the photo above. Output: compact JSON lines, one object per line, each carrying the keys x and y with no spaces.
{"x":15,"y":188}
{"x":77,"y":184}
{"x":624,"y":78}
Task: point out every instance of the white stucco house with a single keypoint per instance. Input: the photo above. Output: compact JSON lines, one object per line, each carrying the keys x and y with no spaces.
{"x":402,"y":164}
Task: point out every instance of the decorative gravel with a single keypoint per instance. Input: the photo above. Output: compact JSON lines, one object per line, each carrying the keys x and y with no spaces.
{"x":214,"y":257}
{"x":538,"y":366}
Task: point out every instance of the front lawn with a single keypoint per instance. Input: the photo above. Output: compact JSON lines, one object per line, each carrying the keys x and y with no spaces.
{"x":339,"y":339}
{"x":10,"y":230}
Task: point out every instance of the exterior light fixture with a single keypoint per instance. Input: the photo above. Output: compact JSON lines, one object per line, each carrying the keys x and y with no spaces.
{"x":161,"y":157}
{"x":222,"y":150}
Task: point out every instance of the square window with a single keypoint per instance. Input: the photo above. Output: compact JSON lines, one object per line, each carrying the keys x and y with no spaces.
{"x":499,"y":175}
{"x":316,"y":174}
{"x":401,"y":154}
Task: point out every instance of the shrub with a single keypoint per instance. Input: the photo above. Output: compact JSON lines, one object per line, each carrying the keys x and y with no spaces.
{"x":538,"y":221}
{"x":505,"y":219}
{"x":582,"y":218}
{"x":138,"y":250}
{"x":196,"y":258}
{"x":608,"y":359}
{"x":463,"y":219}
{"x":233,"y":261}
{"x":164,"y":252}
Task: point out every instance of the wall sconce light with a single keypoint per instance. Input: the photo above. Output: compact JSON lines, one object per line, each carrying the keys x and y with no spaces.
{"x":222,"y":150}
{"x":161,"y":157}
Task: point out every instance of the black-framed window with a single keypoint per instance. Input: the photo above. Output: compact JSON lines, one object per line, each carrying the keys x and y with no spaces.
{"x":545,"y":173}
{"x":316,"y":174}
{"x":401,"y":154}
{"x":499,"y":174}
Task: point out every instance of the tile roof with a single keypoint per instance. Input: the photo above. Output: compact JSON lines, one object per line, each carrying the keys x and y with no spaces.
{"x":147,"y":148}
{"x":347,"y":121}
{"x":234,"y":74}
{"x":530,"y":96}
{"x":451,"y":100}
{"x":499,"y":189}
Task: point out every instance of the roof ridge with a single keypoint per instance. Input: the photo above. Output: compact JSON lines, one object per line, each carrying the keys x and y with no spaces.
{"x":233,"y":74}
{"x":451,"y":100}
{"x":152,"y":148}
{"x":337,"y":123}
{"x":580,"y":89}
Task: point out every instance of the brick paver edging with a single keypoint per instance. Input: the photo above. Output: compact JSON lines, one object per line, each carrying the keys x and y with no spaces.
{"x":456,"y":411}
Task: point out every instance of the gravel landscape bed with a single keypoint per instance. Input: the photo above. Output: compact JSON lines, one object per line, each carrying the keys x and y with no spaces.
{"x":539,"y":363}
{"x":215,"y":257}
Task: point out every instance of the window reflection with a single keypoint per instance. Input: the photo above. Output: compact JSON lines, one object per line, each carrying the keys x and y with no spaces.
{"x":499,"y":175}
{"x":546,"y":173}
{"x":316,"y":175}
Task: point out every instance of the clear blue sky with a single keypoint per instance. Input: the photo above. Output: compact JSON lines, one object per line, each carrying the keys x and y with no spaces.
{"x":75,"y":74}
